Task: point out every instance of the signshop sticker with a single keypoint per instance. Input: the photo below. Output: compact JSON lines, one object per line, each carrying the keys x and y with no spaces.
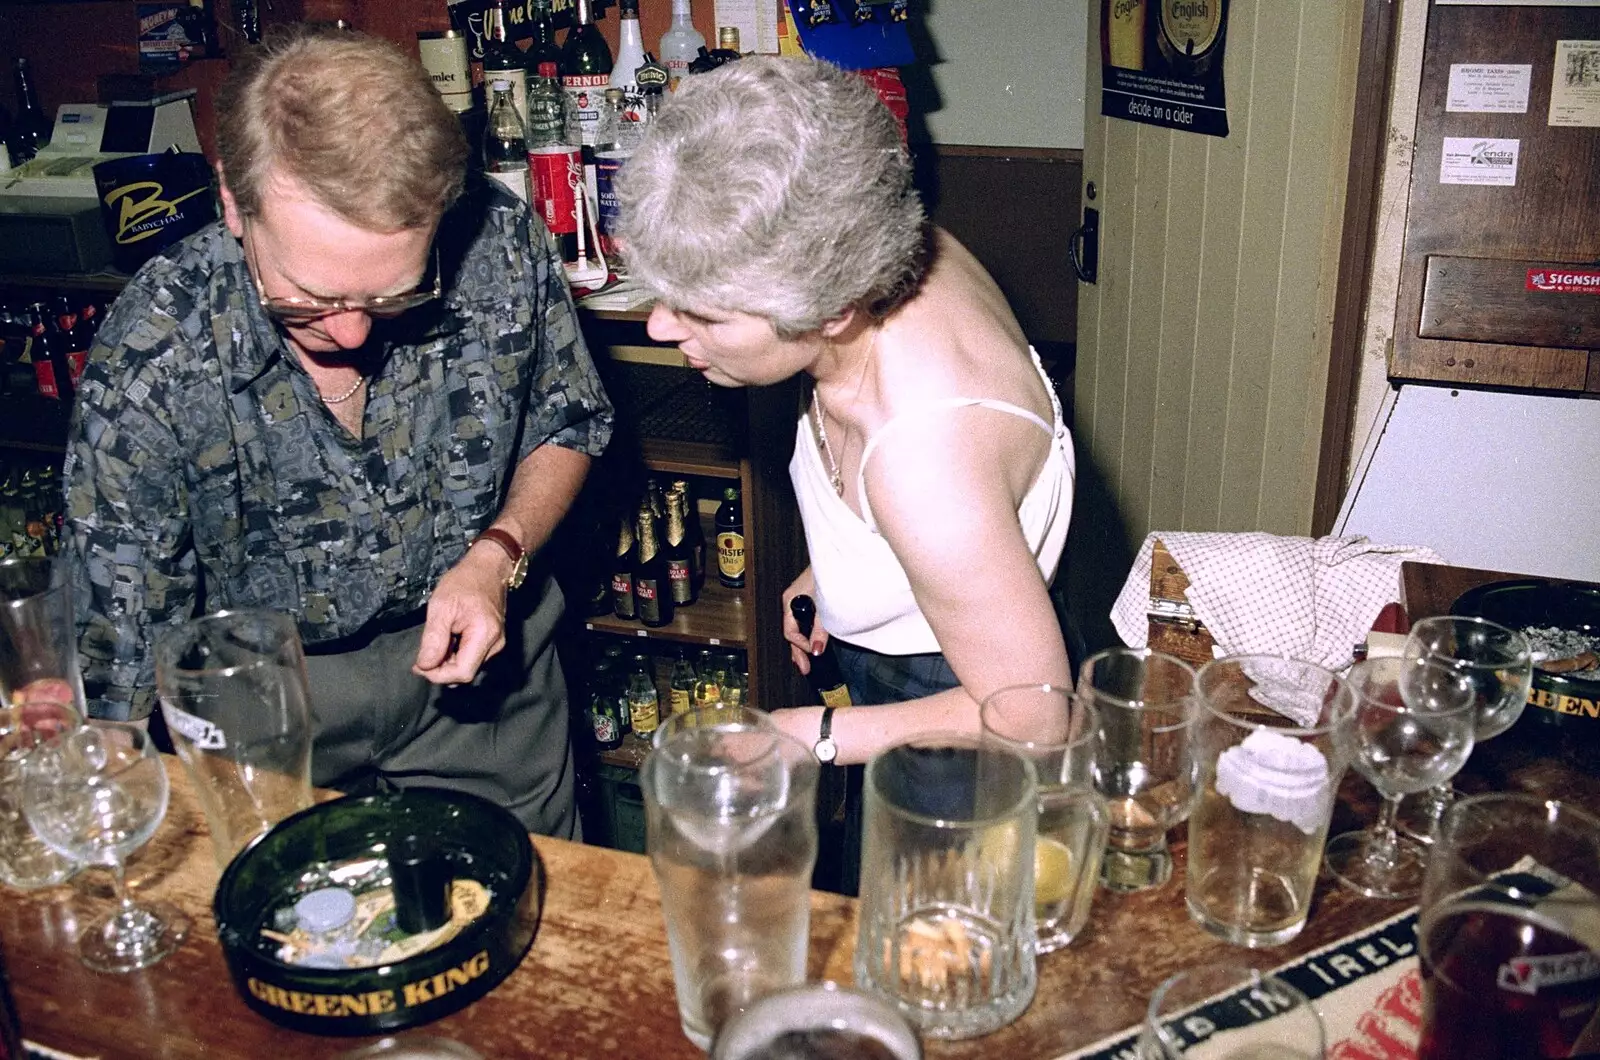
{"x":1565,"y":280}
{"x":1479,"y":160}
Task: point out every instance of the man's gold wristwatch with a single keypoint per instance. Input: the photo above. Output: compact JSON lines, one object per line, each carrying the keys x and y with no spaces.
{"x":519,"y":556}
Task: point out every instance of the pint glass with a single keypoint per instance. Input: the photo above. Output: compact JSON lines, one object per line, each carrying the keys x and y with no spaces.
{"x":1509,"y":932}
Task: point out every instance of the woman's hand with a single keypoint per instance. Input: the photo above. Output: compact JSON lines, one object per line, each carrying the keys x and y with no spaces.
{"x":800,"y":649}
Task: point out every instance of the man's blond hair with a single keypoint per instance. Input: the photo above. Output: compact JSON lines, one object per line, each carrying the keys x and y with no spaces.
{"x":350,"y":118}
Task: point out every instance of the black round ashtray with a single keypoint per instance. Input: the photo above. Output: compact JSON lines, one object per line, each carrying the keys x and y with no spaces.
{"x":373,"y":913}
{"x":1562,"y":623}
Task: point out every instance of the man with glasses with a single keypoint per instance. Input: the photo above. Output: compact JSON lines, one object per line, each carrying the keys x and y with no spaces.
{"x":361,"y":398}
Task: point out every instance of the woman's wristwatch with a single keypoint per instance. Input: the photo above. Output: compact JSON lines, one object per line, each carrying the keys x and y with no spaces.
{"x":825,"y":749}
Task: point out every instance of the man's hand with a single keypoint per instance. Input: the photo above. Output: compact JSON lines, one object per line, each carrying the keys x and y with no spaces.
{"x":466,"y":623}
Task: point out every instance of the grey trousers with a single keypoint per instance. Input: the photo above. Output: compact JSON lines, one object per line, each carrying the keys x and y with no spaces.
{"x":503,"y":737}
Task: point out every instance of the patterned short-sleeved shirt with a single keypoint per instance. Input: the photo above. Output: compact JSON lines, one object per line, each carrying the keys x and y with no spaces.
{"x":205,"y":472}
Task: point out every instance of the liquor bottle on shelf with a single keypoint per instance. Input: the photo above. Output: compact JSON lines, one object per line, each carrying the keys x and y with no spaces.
{"x":75,"y":340}
{"x":644,"y":702}
{"x":623,"y":602}
{"x":727,"y":49}
{"x":609,"y":156}
{"x":630,"y":47}
{"x":505,"y":142}
{"x":730,"y":539}
{"x":695,"y":535}
{"x":585,"y":73}
{"x":605,"y":708}
{"x":735,"y":684}
{"x":51,"y":367}
{"x":825,"y":678}
{"x":680,"y":686}
{"x":503,"y":61}
{"x":555,"y":166}
{"x":651,"y":587}
{"x":542,"y":46}
{"x":32,"y":128}
{"x":680,"y":44}
{"x":707,"y":686}
{"x":680,"y":567}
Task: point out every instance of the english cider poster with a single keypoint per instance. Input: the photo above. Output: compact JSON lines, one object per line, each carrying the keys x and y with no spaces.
{"x":1162,"y":63}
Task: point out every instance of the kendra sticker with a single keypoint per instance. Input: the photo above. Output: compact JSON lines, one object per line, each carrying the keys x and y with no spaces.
{"x":198,"y":731}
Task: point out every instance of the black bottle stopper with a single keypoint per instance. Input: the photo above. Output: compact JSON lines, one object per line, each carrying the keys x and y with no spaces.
{"x":421,"y":885}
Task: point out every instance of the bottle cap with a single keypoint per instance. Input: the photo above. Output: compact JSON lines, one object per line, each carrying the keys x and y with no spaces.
{"x":500,"y":85}
{"x":324,"y":910}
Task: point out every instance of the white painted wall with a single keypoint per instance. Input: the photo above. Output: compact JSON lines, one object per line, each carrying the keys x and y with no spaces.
{"x":1009,"y":73}
{"x":1493,"y":480}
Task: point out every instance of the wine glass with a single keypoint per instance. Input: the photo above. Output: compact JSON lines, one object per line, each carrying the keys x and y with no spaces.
{"x":1499,"y":663}
{"x":96,"y":794}
{"x":1409,"y":727}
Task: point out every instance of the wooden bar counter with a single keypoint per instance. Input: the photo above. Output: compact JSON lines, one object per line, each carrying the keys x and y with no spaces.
{"x":598,"y":980}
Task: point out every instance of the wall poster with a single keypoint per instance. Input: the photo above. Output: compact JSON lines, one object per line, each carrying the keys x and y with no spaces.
{"x":1162,"y":63}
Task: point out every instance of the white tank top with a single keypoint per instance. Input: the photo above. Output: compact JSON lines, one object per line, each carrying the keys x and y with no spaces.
{"x":863,"y":594}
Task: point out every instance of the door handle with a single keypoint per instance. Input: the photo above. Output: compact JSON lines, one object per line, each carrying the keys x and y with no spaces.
{"x":1084,"y":247}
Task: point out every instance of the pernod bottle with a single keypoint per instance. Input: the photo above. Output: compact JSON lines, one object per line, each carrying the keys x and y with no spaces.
{"x":651,"y":586}
{"x":730,"y":539}
{"x":505,"y":145}
{"x":585,"y":73}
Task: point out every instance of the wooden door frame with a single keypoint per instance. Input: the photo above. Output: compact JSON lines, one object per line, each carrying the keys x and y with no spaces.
{"x":1369,"y":135}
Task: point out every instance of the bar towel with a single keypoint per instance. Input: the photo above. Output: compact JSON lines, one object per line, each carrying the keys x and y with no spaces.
{"x":1306,"y":598}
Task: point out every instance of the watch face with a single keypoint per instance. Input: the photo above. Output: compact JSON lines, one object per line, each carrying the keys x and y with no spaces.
{"x":518,"y":572}
{"x":825,"y":750}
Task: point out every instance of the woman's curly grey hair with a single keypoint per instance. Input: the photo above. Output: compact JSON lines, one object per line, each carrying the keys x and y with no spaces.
{"x":778,"y":187}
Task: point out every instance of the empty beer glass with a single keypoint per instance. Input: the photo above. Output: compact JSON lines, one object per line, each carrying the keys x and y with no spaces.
{"x":730,"y":811}
{"x":1142,"y":761}
{"x":946,"y":915}
{"x":234,"y":696}
{"x":38,"y":637}
{"x":1269,"y":770}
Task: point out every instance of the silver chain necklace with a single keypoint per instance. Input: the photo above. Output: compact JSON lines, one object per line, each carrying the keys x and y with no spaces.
{"x":347,"y":395}
{"x":819,"y":415}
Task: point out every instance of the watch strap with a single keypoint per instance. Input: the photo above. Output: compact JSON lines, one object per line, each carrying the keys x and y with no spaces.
{"x":513,"y":549}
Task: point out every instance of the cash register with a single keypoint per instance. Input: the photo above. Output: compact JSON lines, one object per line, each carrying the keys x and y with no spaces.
{"x":49,"y":208}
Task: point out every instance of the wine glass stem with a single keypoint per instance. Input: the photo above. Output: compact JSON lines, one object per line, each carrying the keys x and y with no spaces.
{"x":1385,"y":840}
{"x":119,"y":887}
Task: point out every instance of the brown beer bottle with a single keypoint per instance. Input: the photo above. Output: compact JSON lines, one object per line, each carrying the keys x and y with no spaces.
{"x":730,"y":539}
{"x":680,"y":566}
{"x":652,"y":588}
{"x":825,"y":678}
{"x":622,"y":563}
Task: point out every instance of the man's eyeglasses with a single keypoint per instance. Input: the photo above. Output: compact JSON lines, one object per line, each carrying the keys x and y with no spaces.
{"x":300,"y":310}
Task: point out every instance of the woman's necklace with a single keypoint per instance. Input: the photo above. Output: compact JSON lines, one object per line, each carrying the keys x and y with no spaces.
{"x":347,"y":395}
{"x":819,"y":415}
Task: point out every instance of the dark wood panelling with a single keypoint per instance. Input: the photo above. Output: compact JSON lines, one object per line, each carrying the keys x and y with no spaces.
{"x":1362,"y":180}
{"x":1016,"y":210}
{"x":1548,"y":215}
{"x":1488,"y":300}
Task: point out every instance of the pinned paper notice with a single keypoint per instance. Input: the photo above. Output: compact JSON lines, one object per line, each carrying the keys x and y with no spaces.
{"x":1575,"y":87}
{"x":1479,"y":160}
{"x":1489,"y":88}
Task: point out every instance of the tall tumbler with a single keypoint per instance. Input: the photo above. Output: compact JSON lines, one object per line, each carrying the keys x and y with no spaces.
{"x":38,"y":636}
{"x":1143,"y":764}
{"x":234,"y":697}
{"x":1056,"y":733}
{"x":1509,"y":932}
{"x":1269,"y":770}
{"x":732,"y":835}
{"x":946,"y":914}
